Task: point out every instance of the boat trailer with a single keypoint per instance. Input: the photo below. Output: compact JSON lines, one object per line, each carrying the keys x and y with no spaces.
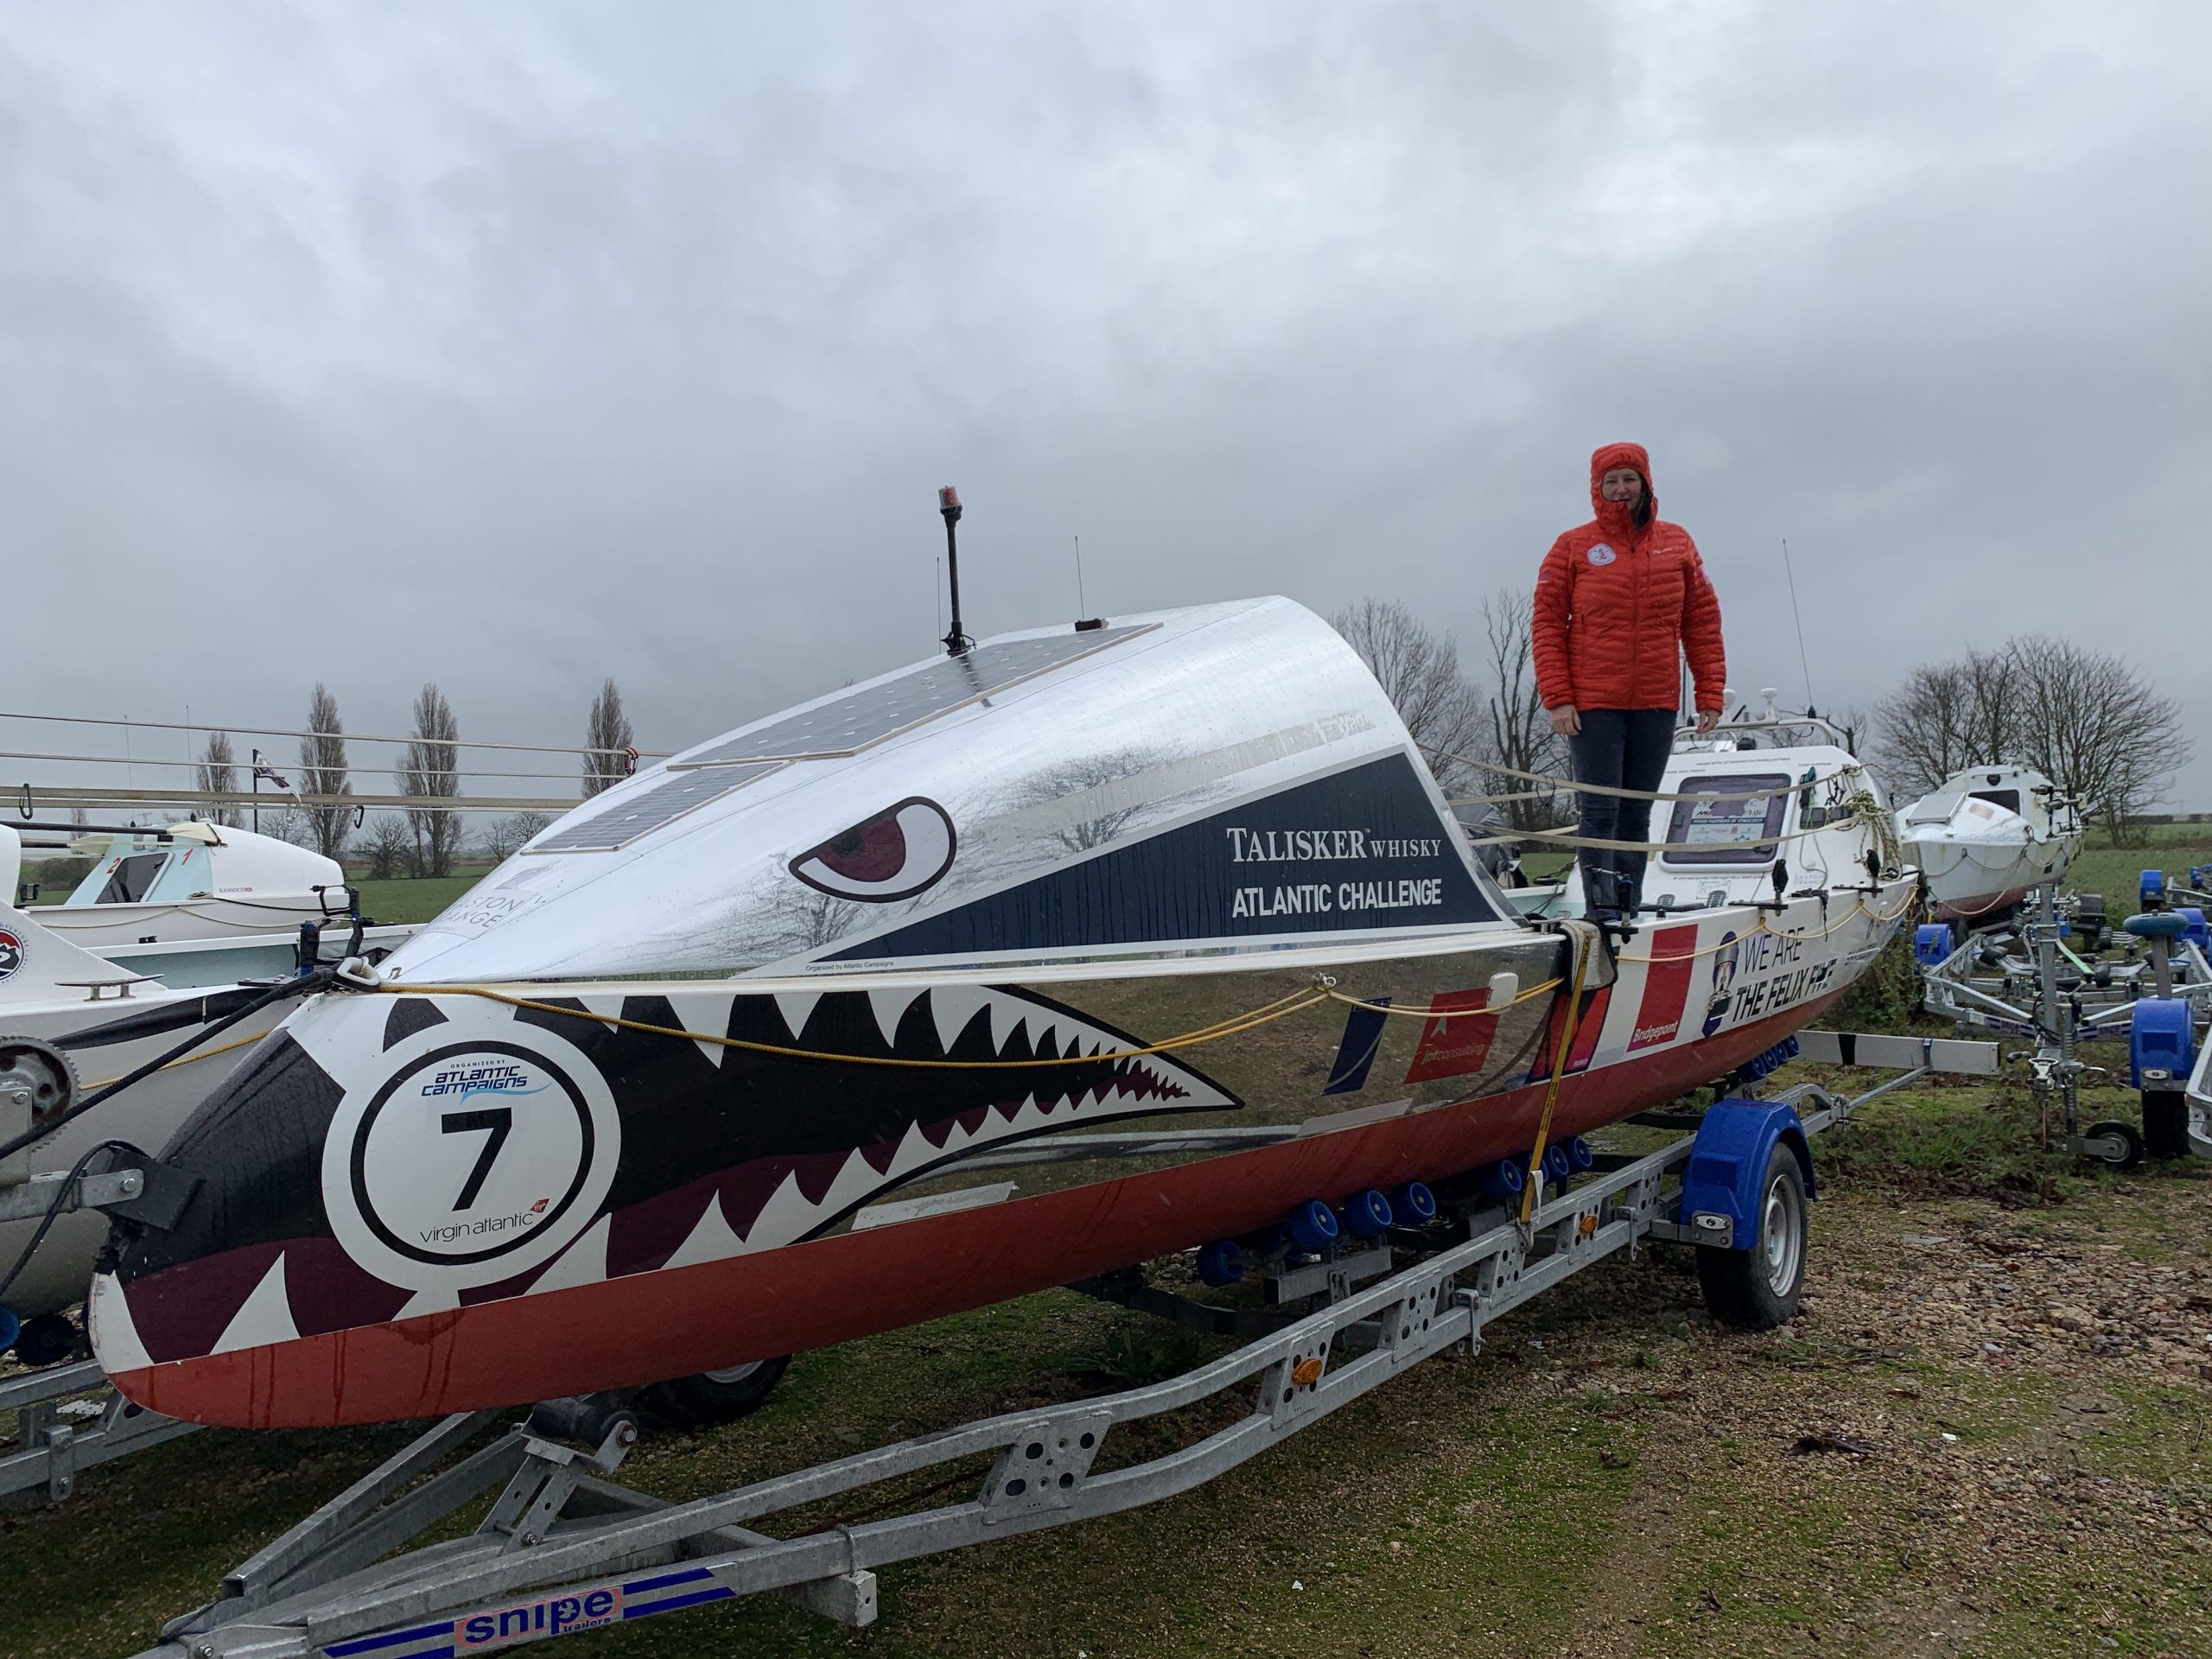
{"x":67,"y":1417}
{"x":565,"y":1548}
{"x":2046,"y":979}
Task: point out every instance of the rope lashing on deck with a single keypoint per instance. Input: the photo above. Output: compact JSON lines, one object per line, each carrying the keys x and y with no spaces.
{"x":1558,"y":783}
{"x":1234,"y":1025}
{"x":1528,"y":996}
{"x":1570,"y":838}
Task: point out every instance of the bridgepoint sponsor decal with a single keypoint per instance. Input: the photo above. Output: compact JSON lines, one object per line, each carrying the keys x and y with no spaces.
{"x":527,"y":1621}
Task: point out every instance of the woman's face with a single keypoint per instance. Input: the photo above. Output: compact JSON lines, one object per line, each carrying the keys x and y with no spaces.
{"x":1624,"y":484}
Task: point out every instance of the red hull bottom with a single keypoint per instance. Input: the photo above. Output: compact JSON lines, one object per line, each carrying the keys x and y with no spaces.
{"x":676,"y":1321}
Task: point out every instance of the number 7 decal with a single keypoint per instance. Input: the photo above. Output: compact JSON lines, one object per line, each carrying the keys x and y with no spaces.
{"x":500,"y":1119}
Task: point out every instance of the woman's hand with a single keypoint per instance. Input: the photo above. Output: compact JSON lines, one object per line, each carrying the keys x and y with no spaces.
{"x":1708,"y":718}
{"x":1566,"y":719}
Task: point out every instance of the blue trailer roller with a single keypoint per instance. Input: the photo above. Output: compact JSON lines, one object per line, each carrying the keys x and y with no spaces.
{"x":1413,"y":1204}
{"x":1313,"y":1226}
{"x":1503,"y":1180}
{"x":1367,"y":1214}
{"x":1221,"y":1262}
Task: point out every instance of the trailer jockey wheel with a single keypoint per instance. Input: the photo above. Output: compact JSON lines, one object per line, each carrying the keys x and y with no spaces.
{"x":47,"y":1340}
{"x":710,"y":1397}
{"x":2114,"y":1142}
{"x":2165,"y":1124}
{"x":1757,"y":1289}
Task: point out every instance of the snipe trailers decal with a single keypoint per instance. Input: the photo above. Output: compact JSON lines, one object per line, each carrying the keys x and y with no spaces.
{"x":465,"y":1151}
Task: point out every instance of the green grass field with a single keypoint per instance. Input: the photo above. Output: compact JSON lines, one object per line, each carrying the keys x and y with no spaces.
{"x":414,"y":898}
{"x":2114,"y":871}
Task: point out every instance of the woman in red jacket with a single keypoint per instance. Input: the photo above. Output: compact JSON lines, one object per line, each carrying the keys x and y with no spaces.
{"x":1620,"y":603}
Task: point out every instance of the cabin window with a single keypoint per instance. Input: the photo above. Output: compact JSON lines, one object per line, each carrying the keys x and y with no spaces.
{"x":2007,"y":798}
{"x":133,"y":875}
{"x":1733,"y":821}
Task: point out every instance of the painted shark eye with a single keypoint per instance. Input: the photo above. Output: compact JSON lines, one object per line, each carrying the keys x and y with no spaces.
{"x":901,"y":851}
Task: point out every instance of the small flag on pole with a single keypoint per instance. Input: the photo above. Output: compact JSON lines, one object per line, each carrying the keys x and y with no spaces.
{"x":263,"y":769}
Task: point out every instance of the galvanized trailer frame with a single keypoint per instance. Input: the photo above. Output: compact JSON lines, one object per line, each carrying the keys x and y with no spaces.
{"x":2061,"y":1001}
{"x":564,"y":1548}
{"x":57,"y":1435}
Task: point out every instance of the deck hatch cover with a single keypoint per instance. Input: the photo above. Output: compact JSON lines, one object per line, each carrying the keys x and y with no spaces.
{"x":651,"y":809}
{"x":849,"y":724}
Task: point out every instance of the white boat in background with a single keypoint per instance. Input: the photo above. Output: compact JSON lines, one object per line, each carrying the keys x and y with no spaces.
{"x":112,"y":1008}
{"x":192,"y":882}
{"x":1988,"y":836}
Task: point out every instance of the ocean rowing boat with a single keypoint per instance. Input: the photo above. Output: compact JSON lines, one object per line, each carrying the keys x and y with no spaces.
{"x":1164,"y":918}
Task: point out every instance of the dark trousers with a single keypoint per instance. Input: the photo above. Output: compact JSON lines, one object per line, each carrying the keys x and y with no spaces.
{"x":1621,"y":749}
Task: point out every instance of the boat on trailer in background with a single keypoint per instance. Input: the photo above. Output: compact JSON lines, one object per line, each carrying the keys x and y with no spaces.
{"x":90,"y":991}
{"x":1987,"y":836}
{"x":189,"y":882}
{"x":1165,"y":917}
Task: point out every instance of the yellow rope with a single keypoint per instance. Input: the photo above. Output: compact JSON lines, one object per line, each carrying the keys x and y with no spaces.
{"x":1624,"y":793}
{"x":1236,"y":1025}
{"x":1558,"y":1070}
{"x":189,"y":1059}
{"x":1432,"y":1013}
{"x":1570,"y":838}
{"x":1829,"y":931}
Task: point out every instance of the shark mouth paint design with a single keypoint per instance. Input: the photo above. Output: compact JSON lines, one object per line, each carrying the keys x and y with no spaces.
{"x":388,"y":1157}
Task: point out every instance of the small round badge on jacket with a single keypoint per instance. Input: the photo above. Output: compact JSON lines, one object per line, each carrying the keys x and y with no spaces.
{"x":1602,"y":555}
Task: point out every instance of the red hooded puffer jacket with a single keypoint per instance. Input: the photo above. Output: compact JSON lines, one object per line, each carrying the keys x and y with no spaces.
{"x":1616,"y":607}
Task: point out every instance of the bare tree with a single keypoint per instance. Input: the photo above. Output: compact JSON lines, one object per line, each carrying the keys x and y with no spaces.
{"x":389,"y":843}
{"x":323,"y":771}
{"x":218,"y":775}
{"x":504,"y":836}
{"x":1419,"y":670}
{"x":429,"y":769}
{"x":607,"y":737}
{"x":2081,"y":717}
{"x":2104,"y":736}
{"x":1520,"y":733}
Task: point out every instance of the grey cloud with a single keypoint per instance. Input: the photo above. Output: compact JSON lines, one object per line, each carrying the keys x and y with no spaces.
{"x":518,"y":346}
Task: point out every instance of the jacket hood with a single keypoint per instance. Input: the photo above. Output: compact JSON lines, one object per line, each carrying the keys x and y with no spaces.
{"x":1614,"y":518}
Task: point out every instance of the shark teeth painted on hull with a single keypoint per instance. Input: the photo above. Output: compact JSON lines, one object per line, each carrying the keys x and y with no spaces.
{"x":264,"y":1317}
{"x":1143,"y":1081}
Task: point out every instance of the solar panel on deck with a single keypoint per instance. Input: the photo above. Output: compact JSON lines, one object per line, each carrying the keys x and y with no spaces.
{"x":651,"y":809}
{"x":849,"y":724}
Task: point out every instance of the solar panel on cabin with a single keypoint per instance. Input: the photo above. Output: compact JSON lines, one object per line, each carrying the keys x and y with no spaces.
{"x":849,"y":724}
{"x":651,"y":809}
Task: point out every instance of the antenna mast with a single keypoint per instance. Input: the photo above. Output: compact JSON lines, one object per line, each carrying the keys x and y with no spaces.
{"x":1804,"y":663}
{"x":957,"y":643}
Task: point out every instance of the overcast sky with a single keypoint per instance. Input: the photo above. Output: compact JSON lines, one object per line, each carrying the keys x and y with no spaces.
{"x":517,"y":345}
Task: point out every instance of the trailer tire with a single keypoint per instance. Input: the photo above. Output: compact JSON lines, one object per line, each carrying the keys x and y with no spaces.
{"x":706,"y":1398}
{"x":1757,"y":1289}
{"x":2165,"y":1125}
{"x":47,"y":1340}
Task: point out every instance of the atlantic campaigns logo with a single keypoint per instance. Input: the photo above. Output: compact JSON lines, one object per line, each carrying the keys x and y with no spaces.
{"x":1602,"y":555}
{"x":11,"y":953}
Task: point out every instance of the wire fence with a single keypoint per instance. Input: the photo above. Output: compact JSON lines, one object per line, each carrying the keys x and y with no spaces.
{"x":103,"y":780}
